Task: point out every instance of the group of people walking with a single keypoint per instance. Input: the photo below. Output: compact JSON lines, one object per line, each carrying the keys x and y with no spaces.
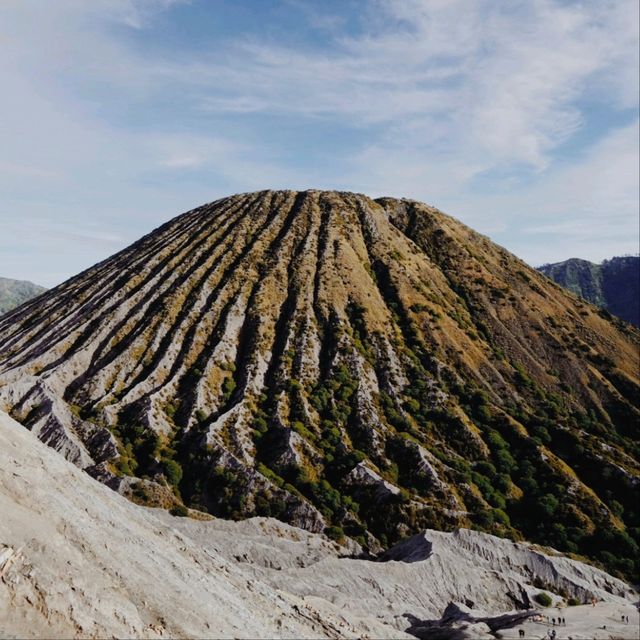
{"x":559,"y":621}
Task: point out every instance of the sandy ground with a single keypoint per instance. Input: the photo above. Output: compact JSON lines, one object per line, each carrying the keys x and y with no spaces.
{"x":584,"y":623}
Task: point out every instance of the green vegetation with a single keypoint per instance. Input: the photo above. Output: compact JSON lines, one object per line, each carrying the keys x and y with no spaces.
{"x":13,"y":293}
{"x":138,"y":448}
{"x":543,"y":599}
{"x":228,"y":387}
{"x":172,"y":471}
{"x":335,"y":533}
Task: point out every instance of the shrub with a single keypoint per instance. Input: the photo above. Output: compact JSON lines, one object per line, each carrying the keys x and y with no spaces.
{"x":335,"y":533}
{"x":228,"y":387}
{"x":173,"y":471}
{"x":301,"y":430}
{"x":573,"y":602}
{"x":543,"y":599}
{"x":547,"y":505}
{"x":412,"y":405}
{"x":270,"y":474}
{"x":260,"y":425}
{"x":486,"y":469}
{"x":523,"y":379}
{"x":179,"y":510}
{"x":500,"y":517}
{"x":125,"y":466}
{"x":140,"y":493}
{"x":505,"y":461}
{"x":541,"y":433}
{"x":170,"y":409}
{"x":484,"y":519}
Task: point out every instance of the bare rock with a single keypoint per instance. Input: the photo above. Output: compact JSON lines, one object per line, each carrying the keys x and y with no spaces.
{"x":364,"y":476}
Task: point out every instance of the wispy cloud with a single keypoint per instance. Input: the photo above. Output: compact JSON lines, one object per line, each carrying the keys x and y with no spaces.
{"x":588,"y":208}
{"x":497,"y":81}
{"x":484,"y":108}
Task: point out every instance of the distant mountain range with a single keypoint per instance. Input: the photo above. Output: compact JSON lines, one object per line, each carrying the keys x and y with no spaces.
{"x":613,"y":285}
{"x":14,"y":292}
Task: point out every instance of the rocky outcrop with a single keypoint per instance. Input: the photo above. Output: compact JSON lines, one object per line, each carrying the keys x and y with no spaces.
{"x":460,"y":622}
{"x":516,"y":564}
{"x":362,"y":476}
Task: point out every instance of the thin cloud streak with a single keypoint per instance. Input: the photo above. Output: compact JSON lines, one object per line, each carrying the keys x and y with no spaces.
{"x":471,"y":106}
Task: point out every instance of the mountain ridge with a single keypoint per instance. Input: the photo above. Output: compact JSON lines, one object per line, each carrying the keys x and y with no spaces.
{"x":13,"y":293}
{"x":366,"y":368}
{"x":613,"y":284}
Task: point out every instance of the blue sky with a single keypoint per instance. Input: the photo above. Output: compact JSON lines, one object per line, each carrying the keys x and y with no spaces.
{"x":519,"y":117}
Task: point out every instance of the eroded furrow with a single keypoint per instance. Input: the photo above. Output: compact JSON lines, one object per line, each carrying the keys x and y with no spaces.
{"x":153,"y":301}
{"x":96,"y":282}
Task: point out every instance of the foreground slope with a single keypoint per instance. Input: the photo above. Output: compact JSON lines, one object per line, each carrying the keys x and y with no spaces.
{"x":78,"y":560}
{"x":613,"y":285}
{"x":15,"y":292}
{"x":92,"y":564}
{"x":368,"y":368}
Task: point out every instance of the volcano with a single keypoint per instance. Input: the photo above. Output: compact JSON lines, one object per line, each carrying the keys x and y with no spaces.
{"x":366,"y":368}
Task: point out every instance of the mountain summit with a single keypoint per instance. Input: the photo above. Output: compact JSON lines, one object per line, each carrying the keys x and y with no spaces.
{"x":369,"y":368}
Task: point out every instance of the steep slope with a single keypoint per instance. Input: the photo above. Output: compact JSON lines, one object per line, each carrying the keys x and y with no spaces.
{"x":613,"y":285}
{"x":368,"y":368}
{"x":14,"y":292}
{"x":78,"y":560}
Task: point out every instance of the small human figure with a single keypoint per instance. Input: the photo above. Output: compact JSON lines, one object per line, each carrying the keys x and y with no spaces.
{"x":521,"y":633}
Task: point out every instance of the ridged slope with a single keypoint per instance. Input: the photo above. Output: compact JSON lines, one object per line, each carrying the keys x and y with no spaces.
{"x":374,"y":367}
